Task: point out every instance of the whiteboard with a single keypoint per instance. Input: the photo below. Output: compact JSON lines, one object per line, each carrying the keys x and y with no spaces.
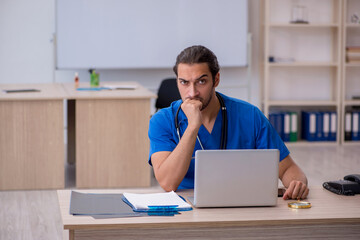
{"x":116,"y":34}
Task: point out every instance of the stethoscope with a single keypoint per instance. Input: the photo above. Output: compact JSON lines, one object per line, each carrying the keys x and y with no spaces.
{"x":223,"y":124}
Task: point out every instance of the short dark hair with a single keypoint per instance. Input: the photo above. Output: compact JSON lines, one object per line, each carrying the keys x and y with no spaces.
{"x":198,"y":54}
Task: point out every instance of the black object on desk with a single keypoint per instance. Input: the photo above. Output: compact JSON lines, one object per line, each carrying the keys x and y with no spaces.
{"x":21,"y":90}
{"x":349,"y":186}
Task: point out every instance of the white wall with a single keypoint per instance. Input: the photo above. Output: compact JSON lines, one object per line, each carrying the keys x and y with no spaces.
{"x":26,"y":50}
{"x":27,"y":55}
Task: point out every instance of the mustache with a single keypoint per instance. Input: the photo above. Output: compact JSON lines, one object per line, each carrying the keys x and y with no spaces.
{"x":194,"y":98}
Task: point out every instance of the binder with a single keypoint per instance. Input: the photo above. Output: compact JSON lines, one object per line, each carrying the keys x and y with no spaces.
{"x":319,"y":126}
{"x":272,"y":119}
{"x":293,"y":126}
{"x":286,"y":127}
{"x":326,"y":126}
{"x":305,"y":125}
{"x":309,"y":125}
{"x":312,"y":127}
{"x":355,"y":134}
{"x":333,"y":126}
{"x":348,"y":126}
{"x":279,"y":120}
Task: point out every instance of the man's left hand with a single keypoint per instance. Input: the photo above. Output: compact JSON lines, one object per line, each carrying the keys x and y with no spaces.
{"x":296,"y":190}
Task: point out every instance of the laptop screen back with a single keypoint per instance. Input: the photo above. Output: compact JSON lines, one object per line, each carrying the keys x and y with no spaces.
{"x":235,"y":178}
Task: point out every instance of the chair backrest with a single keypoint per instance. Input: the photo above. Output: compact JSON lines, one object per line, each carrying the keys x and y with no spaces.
{"x":167,"y":93}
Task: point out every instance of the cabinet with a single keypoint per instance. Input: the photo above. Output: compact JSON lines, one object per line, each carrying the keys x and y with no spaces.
{"x":302,"y":61}
{"x":350,"y":68}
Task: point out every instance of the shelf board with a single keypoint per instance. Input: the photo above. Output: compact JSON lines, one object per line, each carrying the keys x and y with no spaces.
{"x":310,"y":25}
{"x":301,"y":103}
{"x":352,"y":64}
{"x":352,"y":25}
{"x":307,"y":143}
{"x":303,"y":64}
{"x":352,"y":102}
{"x":351,"y":143}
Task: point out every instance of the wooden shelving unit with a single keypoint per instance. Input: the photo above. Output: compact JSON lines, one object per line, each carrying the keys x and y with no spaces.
{"x":350,"y":71}
{"x":310,"y":76}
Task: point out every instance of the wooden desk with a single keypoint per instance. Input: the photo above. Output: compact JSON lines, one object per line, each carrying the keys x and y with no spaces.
{"x":32,"y":137}
{"x":112,"y":146}
{"x":331,"y":216}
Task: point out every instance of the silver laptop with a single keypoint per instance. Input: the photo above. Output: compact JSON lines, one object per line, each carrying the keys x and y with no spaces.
{"x":236,"y":178}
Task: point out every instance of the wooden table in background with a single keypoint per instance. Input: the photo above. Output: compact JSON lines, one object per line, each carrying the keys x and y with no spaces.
{"x":331,"y":216}
{"x":107,"y":136}
{"x":32,"y":137}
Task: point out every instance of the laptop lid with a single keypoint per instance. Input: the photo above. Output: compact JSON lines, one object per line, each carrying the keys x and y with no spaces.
{"x":236,"y":178}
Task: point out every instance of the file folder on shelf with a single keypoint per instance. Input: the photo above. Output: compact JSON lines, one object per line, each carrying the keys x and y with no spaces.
{"x":279,"y":121}
{"x":309,"y":126}
{"x":348,"y":126}
{"x":319,"y":126}
{"x":293,"y":127}
{"x":156,"y":202}
{"x":355,"y":134}
{"x":326,"y":126}
{"x":286,"y":127}
{"x":333,"y":126}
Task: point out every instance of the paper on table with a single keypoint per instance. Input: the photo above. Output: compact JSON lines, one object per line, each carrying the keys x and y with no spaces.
{"x":146,"y":201}
{"x":125,"y":87}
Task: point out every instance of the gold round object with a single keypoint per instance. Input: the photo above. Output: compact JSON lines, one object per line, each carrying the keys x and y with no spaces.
{"x":299,"y":204}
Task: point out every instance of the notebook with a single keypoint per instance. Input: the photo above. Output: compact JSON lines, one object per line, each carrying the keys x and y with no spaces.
{"x":236,"y":178}
{"x":168,"y":201}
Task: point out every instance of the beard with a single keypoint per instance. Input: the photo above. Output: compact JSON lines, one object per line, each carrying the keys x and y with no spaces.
{"x":205,"y":104}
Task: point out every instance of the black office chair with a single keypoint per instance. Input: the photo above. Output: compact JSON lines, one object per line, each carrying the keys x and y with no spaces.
{"x":167,"y":93}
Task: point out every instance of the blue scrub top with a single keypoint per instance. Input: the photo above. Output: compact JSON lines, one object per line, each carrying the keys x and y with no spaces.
{"x":248,"y":128}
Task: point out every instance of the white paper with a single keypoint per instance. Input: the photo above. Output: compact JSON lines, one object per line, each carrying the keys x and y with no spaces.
{"x":114,"y":87}
{"x":142,"y":201}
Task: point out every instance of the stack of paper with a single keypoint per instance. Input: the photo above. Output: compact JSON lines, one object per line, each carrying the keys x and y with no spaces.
{"x":156,"y":202}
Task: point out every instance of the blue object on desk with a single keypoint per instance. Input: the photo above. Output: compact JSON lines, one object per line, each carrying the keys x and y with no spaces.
{"x":93,"y":89}
{"x":169,"y":210}
{"x":158,"y":210}
{"x":164,"y":213}
{"x":162,"y":208}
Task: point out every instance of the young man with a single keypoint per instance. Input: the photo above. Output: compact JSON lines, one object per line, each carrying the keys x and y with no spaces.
{"x":195,"y":122}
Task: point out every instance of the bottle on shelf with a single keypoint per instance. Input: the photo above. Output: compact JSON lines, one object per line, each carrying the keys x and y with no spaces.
{"x":76,"y":80}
